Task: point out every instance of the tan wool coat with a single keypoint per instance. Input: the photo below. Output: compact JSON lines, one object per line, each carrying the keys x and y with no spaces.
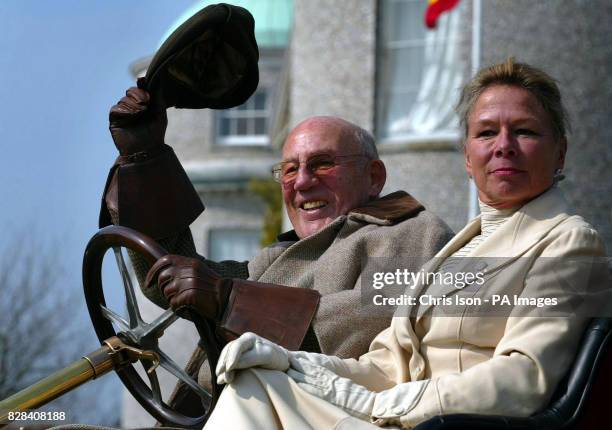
{"x":331,"y":261}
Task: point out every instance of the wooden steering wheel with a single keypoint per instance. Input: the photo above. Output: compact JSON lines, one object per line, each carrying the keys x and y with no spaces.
{"x":142,"y":335}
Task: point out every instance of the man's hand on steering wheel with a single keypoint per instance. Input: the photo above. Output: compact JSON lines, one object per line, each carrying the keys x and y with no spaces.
{"x":188,"y":282}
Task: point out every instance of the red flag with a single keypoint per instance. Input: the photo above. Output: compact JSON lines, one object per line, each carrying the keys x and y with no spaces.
{"x":437,"y":8}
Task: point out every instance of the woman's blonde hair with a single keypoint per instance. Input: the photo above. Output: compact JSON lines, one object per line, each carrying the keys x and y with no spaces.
{"x":537,"y":82}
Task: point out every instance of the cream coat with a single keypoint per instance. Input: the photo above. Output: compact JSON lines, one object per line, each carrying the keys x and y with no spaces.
{"x":505,"y":365}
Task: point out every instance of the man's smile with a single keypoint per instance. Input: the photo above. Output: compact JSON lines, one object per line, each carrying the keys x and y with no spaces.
{"x":313,"y":204}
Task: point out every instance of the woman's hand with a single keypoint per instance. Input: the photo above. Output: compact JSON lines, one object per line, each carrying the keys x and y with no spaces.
{"x":325,"y":384}
{"x":383,"y":408}
{"x":250,"y":350}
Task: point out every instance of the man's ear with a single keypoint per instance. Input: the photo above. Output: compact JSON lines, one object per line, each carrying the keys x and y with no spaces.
{"x":378,"y":177}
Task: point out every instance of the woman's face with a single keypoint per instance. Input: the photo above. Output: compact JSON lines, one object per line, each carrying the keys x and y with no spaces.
{"x":511,"y":150}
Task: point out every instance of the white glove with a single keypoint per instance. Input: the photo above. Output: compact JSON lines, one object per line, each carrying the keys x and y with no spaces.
{"x":250,"y":350}
{"x":385,"y":407}
{"x":330,"y":362}
{"x":342,"y":392}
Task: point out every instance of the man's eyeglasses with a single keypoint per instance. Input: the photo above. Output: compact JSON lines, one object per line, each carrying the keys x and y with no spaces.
{"x":319,"y":165}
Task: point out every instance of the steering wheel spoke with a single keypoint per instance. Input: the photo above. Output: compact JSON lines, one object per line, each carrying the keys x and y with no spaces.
{"x":155,"y":387}
{"x":130,"y":294}
{"x":157,"y":327}
{"x":114,"y":317}
{"x":167,"y":363}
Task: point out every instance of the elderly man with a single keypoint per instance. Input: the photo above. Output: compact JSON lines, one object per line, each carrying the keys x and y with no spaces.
{"x":331,"y":178}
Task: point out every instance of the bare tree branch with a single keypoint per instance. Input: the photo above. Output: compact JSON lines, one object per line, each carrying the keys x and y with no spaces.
{"x":39,"y":326}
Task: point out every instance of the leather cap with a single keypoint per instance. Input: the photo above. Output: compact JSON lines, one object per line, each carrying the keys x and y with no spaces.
{"x":209,"y":61}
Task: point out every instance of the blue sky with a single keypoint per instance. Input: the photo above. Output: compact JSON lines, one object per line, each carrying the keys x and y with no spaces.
{"x":63,"y":63}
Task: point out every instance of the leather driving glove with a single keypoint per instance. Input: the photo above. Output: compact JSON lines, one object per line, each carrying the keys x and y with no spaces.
{"x":188,"y":282}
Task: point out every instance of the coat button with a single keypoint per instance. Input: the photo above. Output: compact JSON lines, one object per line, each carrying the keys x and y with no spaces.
{"x":398,"y":410}
{"x":380,"y":411}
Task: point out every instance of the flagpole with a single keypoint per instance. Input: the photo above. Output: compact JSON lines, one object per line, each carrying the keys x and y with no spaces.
{"x":476,"y":57}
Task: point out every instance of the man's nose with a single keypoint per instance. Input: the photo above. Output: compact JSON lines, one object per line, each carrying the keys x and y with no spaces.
{"x":505,"y":144}
{"x":305,"y":178}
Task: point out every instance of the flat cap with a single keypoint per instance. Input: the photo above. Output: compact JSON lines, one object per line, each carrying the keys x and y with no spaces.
{"x":209,"y":61}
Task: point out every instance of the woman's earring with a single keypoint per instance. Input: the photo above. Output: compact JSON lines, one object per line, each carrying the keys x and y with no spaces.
{"x":558,"y":176}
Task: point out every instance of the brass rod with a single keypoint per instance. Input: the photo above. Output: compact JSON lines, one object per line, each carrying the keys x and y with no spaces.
{"x":89,"y":367}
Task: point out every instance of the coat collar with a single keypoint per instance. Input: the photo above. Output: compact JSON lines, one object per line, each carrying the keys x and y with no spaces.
{"x":524,"y":228}
{"x":387,"y":210}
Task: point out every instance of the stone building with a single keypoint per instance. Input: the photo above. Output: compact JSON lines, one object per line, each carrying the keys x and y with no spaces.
{"x":374,"y":63}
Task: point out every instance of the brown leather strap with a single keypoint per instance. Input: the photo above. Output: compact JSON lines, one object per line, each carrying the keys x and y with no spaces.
{"x":280,"y":314}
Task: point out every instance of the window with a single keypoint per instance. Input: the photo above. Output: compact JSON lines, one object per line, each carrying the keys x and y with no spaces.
{"x":246,"y":124}
{"x":419,"y":73}
{"x":233,"y":244}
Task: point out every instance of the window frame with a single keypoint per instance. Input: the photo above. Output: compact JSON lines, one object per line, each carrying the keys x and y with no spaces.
{"x":246,"y":111}
{"x":386,"y":47}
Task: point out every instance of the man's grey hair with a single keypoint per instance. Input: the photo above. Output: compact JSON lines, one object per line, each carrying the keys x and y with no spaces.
{"x":367,"y":142}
